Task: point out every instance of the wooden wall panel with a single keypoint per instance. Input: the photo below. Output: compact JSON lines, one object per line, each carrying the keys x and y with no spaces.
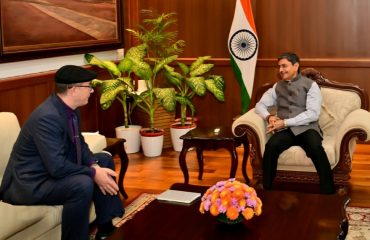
{"x":314,"y":28}
{"x":330,"y":35}
{"x":21,"y":95}
{"x":203,"y":24}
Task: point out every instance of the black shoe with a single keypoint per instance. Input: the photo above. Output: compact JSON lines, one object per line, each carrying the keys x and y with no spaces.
{"x":103,"y":235}
{"x":105,"y":230}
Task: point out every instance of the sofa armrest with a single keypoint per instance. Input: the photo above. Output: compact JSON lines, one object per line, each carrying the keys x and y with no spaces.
{"x":253,"y":121}
{"x":95,"y":141}
{"x":356,"y":124}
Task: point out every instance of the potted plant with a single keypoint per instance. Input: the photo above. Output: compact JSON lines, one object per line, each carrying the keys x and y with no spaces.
{"x":162,"y":49}
{"x":147,"y":101}
{"x":120,"y":87}
{"x":190,"y":82}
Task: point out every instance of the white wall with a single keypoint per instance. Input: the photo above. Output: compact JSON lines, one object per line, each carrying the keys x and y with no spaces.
{"x":13,"y":69}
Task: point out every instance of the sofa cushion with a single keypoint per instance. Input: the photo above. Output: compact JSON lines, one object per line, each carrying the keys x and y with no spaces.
{"x":30,"y":221}
{"x":336,"y":105}
{"x":9,"y":129}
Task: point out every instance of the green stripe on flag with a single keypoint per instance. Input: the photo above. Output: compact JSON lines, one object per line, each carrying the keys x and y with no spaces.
{"x":244,"y":95}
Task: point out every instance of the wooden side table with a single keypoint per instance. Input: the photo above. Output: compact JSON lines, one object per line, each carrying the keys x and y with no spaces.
{"x":116,"y":146}
{"x":212,"y":139}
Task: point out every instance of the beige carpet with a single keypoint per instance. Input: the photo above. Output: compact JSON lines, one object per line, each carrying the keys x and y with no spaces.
{"x":359,"y":218}
{"x":138,"y":204}
{"x":359,"y":223}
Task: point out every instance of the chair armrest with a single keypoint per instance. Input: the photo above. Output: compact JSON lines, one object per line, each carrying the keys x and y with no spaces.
{"x":95,"y":141}
{"x":355,"y":126}
{"x":253,"y":121}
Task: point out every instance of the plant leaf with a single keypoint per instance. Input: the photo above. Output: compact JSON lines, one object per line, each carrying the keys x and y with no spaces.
{"x":125,"y":65}
{"x":198,"y":62}
{"x":165,"y":61}
{"x":201,"y":69}
{"x":185,"y":69}
{"x":112,"y":68}
{"x":219,"y":81}
{"x":218,"y":93}
{"x":166,"y":98}
{"x":92,"y":60}
{"x":109,"y":91}
{"x":142,"y":69}
{"x":197,"y":84}
{"x":127,"y":83}
{"x":138,"y":52}
{"x":108,"y":65}
{"x":172,"y":76}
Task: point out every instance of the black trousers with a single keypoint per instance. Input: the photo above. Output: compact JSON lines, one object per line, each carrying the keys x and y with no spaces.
{"x":311,"y":142}
{"x":76,"y":193}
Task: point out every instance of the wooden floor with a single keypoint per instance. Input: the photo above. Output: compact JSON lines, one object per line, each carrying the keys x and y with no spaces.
{"x":156,"y":174}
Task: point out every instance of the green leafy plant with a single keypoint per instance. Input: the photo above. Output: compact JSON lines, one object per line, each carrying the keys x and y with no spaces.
{"x":162,"y":49}
{"x":155,"y":32}
{"x":147,"y":100}
{"x":191,"y":81}
{"x":120,"y":85}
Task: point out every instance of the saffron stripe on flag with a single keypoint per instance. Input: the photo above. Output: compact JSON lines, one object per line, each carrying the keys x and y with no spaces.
{"x":243,"y":48}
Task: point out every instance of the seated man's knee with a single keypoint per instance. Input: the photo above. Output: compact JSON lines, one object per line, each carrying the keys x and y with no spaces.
{"x":83,"y":186}
{"x":273,"y":144}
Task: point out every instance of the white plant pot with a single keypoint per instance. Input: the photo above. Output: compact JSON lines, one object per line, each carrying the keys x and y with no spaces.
{"x":176,"y":133}
{"x":152,"y":145}
{"x":132,"y":136}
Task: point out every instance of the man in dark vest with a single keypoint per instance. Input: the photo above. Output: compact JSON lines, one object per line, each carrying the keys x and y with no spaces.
{"x":51,"y":164}
{"x":297,"y":100}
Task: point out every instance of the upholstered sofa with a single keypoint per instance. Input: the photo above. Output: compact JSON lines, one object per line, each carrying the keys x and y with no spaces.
{"x":344,"y":120}
{"x":31,"y":222}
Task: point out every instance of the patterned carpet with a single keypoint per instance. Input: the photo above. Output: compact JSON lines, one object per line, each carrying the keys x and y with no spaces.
{"x":359,"y":223}
{"x":359,"y":218}
{"x":138,"y":204}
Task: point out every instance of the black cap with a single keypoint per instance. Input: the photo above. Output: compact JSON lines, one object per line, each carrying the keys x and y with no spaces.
{"x":70,"y":74}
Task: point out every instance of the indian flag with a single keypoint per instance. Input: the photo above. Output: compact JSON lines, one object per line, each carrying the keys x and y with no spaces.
{"x":243,"y":48}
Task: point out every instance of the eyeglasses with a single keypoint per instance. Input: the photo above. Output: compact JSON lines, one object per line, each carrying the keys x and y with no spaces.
{"x":89,"y":86}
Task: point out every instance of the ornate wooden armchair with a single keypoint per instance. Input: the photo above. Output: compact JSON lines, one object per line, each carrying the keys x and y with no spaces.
{"x":344,"y":120}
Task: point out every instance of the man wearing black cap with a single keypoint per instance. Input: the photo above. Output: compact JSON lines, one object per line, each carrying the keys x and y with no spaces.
{"x":52,"y":165}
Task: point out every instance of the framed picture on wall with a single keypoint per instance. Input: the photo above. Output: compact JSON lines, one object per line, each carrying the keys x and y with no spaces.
{"x":42,"y":28}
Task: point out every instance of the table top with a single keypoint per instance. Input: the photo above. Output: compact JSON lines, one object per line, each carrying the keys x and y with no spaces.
{"x":285,"y":215}
{"x":215,"y":133}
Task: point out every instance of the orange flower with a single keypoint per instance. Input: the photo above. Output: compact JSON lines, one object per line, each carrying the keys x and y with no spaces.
{"x":215,"y":195}
{"x":259,"y":210}
{"x":238,"y":193}
{"x":233,"y":199}
{"x":242,"y":202}
{"x":225,"y":202}
{"x":232,"y":213}
{"x":214,"y":210}
{"x":225,"y":193}
{"x":201,"y":208}
{"x":248,"y":213}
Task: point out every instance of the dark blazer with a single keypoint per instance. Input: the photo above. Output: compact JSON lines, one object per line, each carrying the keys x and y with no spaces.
{"x":43,"y":153}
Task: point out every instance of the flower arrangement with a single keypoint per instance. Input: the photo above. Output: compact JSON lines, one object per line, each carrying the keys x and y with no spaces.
{"x":231,"y":201}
